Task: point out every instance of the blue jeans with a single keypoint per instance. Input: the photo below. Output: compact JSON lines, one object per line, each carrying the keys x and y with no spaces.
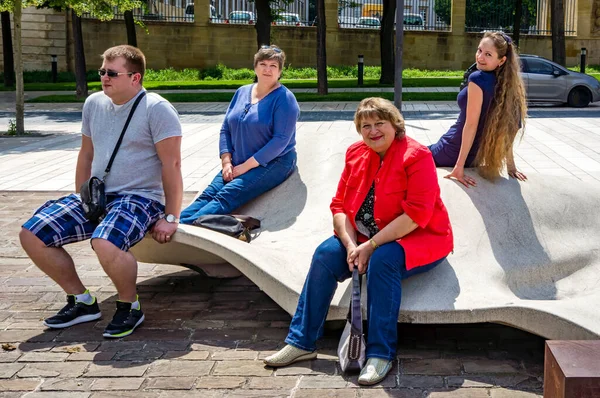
{"x":222,"y":197}
{"x":384,"y":290}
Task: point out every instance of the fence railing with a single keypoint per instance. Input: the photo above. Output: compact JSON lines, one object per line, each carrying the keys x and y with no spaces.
{"x":160,"y":10}
{"x":418,"y":14}
{"x":297,"y":13}
{"x":499,"y":15}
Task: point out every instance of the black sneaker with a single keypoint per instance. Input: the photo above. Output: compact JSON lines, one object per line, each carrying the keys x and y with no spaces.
{"x":124,"y":322}
{"x":74,"y":313}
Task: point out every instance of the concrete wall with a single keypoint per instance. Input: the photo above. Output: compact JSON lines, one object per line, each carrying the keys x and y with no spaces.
{"x":44,"y":33}
{"x":201,"y":44}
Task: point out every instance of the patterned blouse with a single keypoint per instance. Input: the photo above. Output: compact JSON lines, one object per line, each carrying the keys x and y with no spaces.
{"x":365,"y":221}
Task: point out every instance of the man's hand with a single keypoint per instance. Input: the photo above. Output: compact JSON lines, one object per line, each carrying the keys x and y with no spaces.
{"x":360,"y":257}
{"x":163,"y":230}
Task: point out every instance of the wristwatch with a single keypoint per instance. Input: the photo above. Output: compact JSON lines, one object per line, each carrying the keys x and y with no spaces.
{"x":171,"y":218}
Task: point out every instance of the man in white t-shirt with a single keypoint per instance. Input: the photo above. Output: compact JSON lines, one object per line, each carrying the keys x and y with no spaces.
{"x":144,"y":191}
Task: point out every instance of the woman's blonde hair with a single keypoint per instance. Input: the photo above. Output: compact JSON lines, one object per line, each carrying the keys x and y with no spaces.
{"x":379,"y":108}
{"x":507,"y":111}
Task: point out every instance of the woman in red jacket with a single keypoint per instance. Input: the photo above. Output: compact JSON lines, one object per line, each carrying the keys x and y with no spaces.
{"x":389,"y":222}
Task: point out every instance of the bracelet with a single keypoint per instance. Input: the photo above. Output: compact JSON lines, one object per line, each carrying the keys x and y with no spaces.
{"x":373,"y":243}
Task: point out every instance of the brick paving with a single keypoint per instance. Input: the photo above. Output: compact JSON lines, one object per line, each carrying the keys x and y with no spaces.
{"x":206,"y":338}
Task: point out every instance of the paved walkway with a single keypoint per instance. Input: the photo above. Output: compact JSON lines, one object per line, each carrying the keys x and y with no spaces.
{"x":206,"y":338}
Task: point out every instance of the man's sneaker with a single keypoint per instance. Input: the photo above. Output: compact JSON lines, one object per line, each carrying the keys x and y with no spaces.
{"x":124,"y":322}
{"x":73,"y":313}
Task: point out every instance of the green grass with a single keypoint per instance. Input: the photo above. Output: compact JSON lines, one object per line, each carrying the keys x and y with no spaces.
{"x":302,"y":97}
{"x":234,"y":84}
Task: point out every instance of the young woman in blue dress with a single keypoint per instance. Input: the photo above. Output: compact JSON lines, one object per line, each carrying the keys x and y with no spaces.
{"x":492,"y":111}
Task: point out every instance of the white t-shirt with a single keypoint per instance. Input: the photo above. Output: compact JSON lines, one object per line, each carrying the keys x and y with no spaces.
{"x":136,"y":168}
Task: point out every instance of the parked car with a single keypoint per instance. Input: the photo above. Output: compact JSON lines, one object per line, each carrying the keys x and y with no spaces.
{"x":288,"y":18}
{"x":549,"y":82}
{"x":413,"y":22}
{"x":241,"y":17}
{"x":368,"y":22}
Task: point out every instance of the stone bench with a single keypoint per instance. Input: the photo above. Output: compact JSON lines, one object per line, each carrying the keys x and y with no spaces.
{"x":526,"y":254}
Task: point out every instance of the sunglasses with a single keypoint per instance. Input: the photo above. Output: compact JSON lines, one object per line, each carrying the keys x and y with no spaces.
{"x":275,"y":49}
{"x":113,"y":74}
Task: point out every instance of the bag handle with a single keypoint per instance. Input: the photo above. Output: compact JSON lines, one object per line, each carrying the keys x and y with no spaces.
{"x":355,"y":317}
{"x":112,"y":157}
{"x":249,"y":222}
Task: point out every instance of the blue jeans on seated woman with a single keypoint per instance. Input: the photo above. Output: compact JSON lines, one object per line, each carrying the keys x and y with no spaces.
{"x":384,"y":290}
{"x":222,"y":197}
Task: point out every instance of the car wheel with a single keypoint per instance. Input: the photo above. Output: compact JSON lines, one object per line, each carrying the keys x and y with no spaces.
{"x":579,"y":97}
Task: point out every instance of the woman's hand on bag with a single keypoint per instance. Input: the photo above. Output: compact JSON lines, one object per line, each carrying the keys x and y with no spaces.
{"x":360,"y":256}
{"x":458,"y":174}
{"x":163,"y":230}
{"x":227,"y":172}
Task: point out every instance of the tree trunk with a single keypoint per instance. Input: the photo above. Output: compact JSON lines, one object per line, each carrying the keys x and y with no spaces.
{"x":130,"y":27}
{"x":321,"y":49}
{"x":81,"y":85}
{"x":386,"y":41}
{"x":263,"y":23}
{"x":557,"y":20}
{"x":20,"y":95}
{"x":517,"y":21}
{"x":7,"y":48}
{"x":399,"y":54}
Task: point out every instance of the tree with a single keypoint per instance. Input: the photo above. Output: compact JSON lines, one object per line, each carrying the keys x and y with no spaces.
{"x":386,"y":41}
{"x":321,"y":49}
{"x":263,"y":23}
{"x":557,"y":20}
{"x":266,"y":13}
{"x":7,"y":51}
{"x":101,"y":9}
{"x":443,"y":10}
{"x":130,"y":27}
{"x":81,"y":86}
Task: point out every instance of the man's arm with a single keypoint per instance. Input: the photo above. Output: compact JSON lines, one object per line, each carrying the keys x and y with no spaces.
{"x":169,"y":153}
{"x":84,"y":162}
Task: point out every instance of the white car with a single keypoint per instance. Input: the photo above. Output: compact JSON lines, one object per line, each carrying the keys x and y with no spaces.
{"x":288,"y":18}
{"x":241,"y":17}
{"x":368,"y":22}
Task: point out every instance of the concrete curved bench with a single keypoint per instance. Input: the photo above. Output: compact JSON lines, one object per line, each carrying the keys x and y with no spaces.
{"x":526,"y":254}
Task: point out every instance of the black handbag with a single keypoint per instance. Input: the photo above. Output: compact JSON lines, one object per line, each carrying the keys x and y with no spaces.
{"x":236,"y":226}
{"x":93,"y":191}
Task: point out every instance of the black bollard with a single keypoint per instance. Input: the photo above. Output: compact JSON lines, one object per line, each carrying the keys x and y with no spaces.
{"x":54,"y":68}
{"x":361,"y":66}
{"x":582,"y":62}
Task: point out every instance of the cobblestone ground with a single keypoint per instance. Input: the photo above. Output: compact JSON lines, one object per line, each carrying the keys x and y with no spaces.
{"x":206,"y":338}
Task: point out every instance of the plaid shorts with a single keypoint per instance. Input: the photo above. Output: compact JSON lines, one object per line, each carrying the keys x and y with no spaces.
{"x":129,"y":217}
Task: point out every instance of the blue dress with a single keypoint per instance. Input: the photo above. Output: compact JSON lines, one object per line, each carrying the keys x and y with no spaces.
{"x":445,"y":151}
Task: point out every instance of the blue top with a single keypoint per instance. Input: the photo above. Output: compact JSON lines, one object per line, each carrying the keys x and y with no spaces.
{"x":265,"y":130}
{"x":445,"y":151}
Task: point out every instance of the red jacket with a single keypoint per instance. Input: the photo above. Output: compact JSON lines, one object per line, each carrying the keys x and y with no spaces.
{"x":407,"y":183}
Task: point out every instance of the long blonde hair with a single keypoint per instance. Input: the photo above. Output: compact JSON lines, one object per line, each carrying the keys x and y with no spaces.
{"x":507,"y":111}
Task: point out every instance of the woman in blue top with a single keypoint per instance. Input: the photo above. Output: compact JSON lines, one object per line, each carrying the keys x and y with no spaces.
{"x":492,"y":110}
{"x":257,"y":141}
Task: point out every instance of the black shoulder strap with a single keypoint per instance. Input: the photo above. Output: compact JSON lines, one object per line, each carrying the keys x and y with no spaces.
{"x":112,"y":158}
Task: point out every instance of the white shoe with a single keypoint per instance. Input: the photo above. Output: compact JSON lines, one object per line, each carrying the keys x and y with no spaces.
{"x":288,"y":355}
